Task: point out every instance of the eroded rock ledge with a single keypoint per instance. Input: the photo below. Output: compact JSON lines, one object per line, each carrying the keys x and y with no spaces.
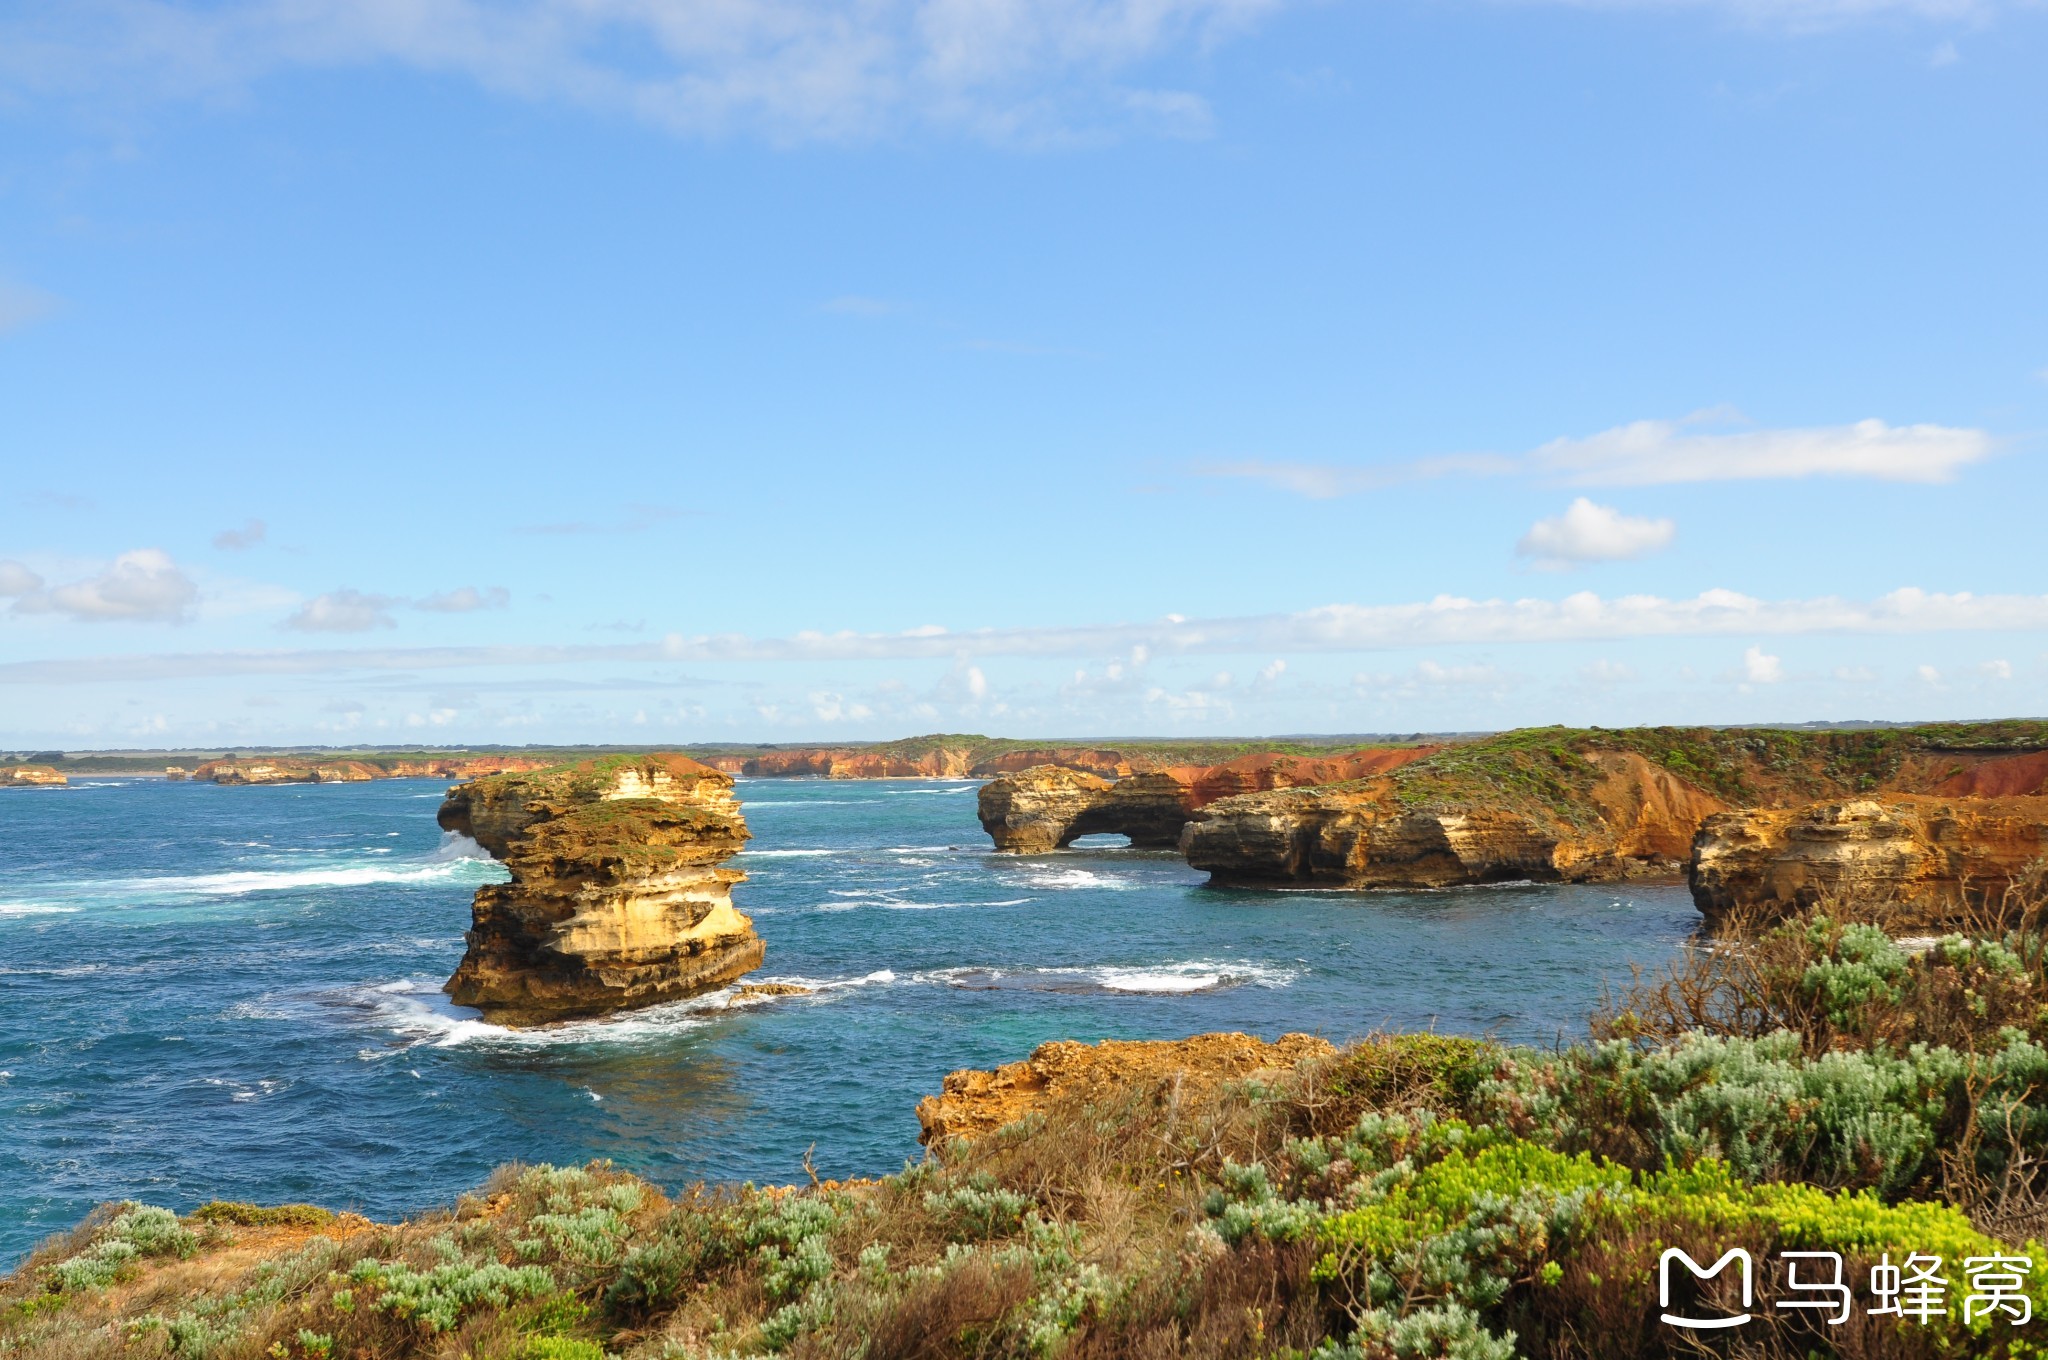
{"x":30,"y":776}
{"x":976,"y":1102}
{"x":1925,"y":856}
{"x":1048,"y":807}
{"x":617,"y":899}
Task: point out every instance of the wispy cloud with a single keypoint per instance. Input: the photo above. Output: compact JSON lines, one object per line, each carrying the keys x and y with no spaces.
{"x":1586,"y":532}
{"x":143,"y":586}
{"x":1659,"y":453}
{"x":786,"y":68}
{"x":356,"y":611}
{"x":1445,"y":620}
{"x":237,"y":540}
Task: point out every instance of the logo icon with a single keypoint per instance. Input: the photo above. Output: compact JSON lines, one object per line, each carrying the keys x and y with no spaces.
{"x":1700,"y":1272}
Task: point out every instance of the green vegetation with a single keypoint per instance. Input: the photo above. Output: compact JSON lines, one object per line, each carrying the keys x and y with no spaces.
{"x":1552,"y":771}
{"x":1413,"y":1197}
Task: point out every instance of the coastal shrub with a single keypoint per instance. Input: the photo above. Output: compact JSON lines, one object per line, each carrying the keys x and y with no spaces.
{"x":1843,"y":1119}
{"x":138,"y":1230}
{"x":263,"y":1216}
{"x":438,"y":1297}
{"x":978,"y":1209}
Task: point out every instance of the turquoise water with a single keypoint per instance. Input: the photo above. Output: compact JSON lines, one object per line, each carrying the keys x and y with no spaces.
{"x":233,"y":993}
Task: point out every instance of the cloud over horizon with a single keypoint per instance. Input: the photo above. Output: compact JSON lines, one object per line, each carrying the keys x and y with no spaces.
{"x":1444,"y":620}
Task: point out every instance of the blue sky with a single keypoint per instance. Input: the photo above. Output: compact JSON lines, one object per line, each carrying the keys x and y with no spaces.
{"x":618,"y":370}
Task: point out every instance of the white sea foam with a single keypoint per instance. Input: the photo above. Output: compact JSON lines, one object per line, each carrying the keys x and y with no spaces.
{"x":1071,"y":878}
{"x":787,"y":854}
{"x":33,"y":909}
{"x":1166,"y":979}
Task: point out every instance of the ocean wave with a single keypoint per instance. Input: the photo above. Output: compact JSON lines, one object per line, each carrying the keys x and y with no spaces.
{"x":910,"y":793}
{"x":33,"y":909}
{"x":1072,"y":878}
{"x":1167,"y":979}
{"x":788,"y":854}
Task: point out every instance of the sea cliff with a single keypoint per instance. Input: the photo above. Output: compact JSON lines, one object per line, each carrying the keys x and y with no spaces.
{"x":618,"y":896}
{"x":1557,"y":804}
{"x":1924,"y":858}
{"x":30,"y":776}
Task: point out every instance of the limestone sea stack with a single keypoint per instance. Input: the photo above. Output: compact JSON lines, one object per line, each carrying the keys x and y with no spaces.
{"x":31,"y":776}
{"x":618,"y":897}
{"x":1924,"y":856}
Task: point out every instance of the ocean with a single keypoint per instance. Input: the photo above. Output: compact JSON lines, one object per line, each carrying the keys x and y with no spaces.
{"x":234,"y":993}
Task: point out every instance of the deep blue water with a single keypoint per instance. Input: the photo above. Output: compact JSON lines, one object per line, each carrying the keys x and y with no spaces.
{"x":233,"y":993}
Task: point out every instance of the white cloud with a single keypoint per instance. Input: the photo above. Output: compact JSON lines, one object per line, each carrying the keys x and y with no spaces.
{"x":1855,"y":675}
{"x":16,"y":579}
{"x":1659,"y":453}
{"x":464,"y":600}
{"x":143,"y":586}
{"x":1586,"y":532}
{"x":1447,"y":620}
{"x":235,"y":540}
{"x":1430,"y":678}
{"x":977,"y":684}
{"x":1605,"y":672}
{"x":1996,"y":670}
{"x":1761,"y":668}
{"x":1928,"y":675}
{"x":785,"y":68}
{"x":1944,"y":54}
{"x":344,"y":611}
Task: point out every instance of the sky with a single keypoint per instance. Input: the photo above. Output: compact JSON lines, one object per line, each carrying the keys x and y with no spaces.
{"x":647,"y":371}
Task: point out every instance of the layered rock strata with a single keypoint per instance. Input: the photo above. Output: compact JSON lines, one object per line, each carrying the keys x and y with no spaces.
{"x":1926,"y":857}
{"x":31,"y":776}
{"x":1632,"y":820}
{"x":1047,"y":807}
{"x":972,"y":1103}
{"x":618,"y":896}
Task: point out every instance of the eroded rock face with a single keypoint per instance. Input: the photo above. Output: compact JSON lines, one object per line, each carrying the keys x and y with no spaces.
{"x":1046,"y":807}
{"x":30,"y":776}
{"x":1637,"y":821}
{"x":1924,"y":854}
{"x":975,"y":1102}
{"x":617,"y":899}
{"x":1041,"y":809}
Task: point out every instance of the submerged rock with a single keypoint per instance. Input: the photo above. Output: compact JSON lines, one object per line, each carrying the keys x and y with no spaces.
{"x":617,"y":896}
{"x":1924,"y":856}
{"x":975,"y":1102}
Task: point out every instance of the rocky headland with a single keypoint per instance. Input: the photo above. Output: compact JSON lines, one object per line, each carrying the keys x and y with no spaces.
{"x":1926,"y":857}
{"x":618,"y":896}
{"x":30,"y":776}
{"x":1555,"y":804}
{"x":294,"y":771}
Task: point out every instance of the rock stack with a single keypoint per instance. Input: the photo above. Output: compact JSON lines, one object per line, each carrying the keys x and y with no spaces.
{"x":618,"y":896}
